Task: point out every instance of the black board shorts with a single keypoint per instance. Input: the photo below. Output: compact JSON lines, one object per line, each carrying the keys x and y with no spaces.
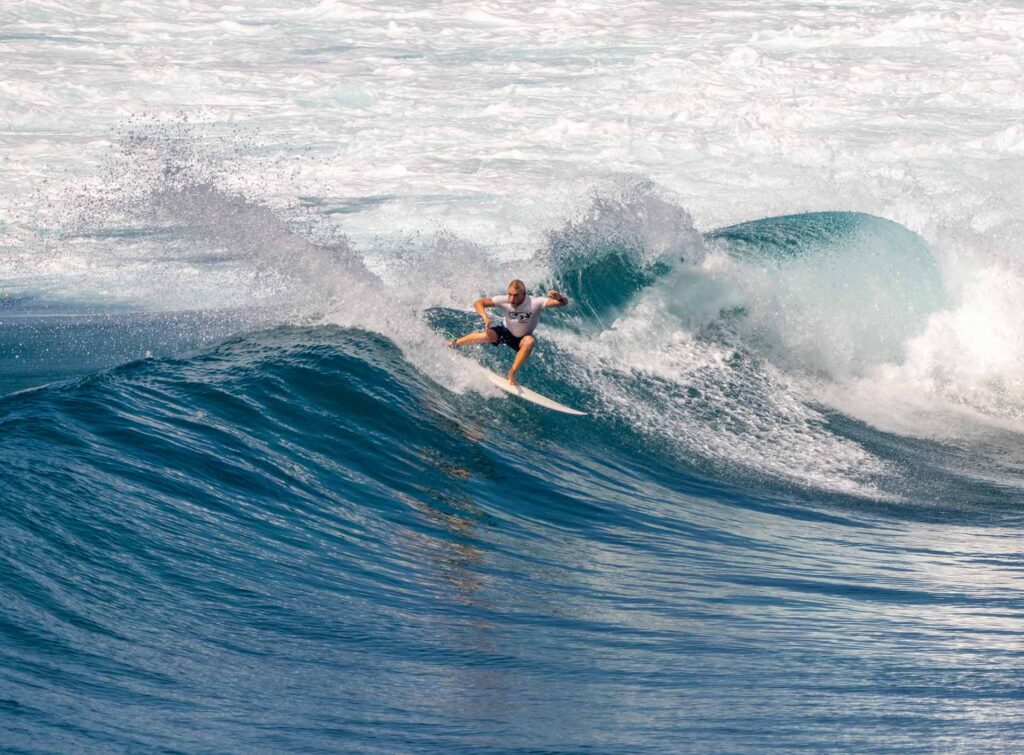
{"x":505,"y":337}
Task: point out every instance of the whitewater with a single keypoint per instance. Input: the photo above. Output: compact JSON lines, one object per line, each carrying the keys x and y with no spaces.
{"x":252,"y":502}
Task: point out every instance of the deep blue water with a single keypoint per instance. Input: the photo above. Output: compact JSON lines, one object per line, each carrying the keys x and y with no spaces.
{"x":289,"y":538}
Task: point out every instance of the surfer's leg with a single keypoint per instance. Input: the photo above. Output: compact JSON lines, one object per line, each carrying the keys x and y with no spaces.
{"x":483,"y":336}
{"x":525,"y":347}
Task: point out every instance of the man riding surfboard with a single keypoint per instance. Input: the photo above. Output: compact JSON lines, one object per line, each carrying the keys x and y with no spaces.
{"x":522,"y":313}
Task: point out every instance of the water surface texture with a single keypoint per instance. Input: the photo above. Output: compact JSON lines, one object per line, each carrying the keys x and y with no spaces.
{"x":250,"y":502}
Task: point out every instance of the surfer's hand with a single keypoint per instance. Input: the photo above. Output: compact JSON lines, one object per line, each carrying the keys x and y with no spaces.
{"x":552,"y":294}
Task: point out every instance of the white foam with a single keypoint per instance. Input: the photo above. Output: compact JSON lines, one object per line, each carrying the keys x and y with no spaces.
{"x":704,"y":401}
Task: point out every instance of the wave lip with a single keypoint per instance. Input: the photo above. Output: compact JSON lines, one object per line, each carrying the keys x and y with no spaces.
{"x":629,"y":237}
{"x":834,"y":293}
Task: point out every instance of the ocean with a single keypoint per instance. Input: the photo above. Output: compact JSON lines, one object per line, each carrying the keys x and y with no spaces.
{"x":251,"y":502}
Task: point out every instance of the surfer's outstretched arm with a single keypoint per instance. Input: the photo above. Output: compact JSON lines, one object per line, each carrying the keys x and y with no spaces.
{"x":555,"y":299}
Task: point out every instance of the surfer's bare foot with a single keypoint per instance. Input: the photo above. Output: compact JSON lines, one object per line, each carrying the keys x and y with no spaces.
{"x":512,"y":379}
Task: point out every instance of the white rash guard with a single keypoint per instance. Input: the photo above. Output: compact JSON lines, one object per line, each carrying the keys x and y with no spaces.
{"x":522,"y":320}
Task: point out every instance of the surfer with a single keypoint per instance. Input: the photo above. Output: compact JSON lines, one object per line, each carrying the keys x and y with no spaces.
{"x":522,"y":313}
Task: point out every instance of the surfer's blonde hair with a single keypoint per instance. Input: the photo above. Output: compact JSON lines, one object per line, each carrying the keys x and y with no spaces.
{"x":518,"y":286}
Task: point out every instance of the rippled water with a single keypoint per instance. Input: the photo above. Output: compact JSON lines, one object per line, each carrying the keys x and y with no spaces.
{"x":251,"y":502}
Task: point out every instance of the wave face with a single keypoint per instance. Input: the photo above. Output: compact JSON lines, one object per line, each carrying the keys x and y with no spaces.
{"x":251,"y":502}
{"x":298,"y":526}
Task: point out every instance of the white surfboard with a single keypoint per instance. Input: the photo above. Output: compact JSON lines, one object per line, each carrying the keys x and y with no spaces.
{"x":528,"y":395}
